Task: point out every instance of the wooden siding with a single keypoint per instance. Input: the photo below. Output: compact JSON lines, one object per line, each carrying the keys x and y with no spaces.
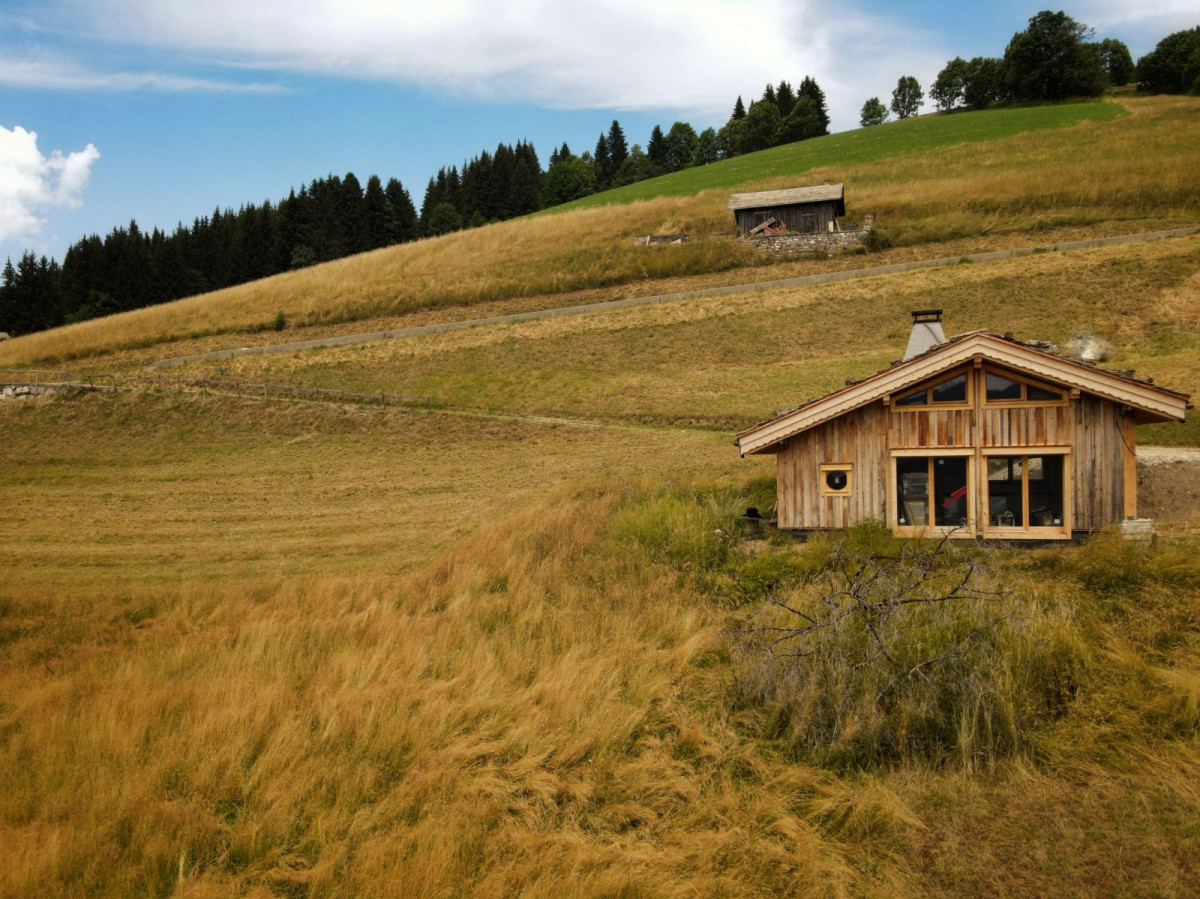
{"x":1095,"y":435}
{"x":1098,"y":469}
{"x":928,"y":428}
{"x":858,"y":438}
{"x":805,"y":219}
{"x":1026,"y":425}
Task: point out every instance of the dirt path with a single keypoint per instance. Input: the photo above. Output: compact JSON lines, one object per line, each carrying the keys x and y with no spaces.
{"x":1169,"y":484}
{"x":784,"y":283}
{"x":1160,"y":455}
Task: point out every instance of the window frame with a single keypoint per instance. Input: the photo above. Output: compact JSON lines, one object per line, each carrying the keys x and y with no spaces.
{"x":896,"y":402}
{"x":932,"y":530}
{"x":1038,"y":532}
{"x":826,"y":467}
{"x":1064,"y":393}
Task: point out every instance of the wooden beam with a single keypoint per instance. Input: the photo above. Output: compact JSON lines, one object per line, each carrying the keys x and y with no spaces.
{"x":1129,"y":460}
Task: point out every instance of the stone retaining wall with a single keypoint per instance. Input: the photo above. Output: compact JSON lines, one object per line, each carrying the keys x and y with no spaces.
{"x":789,"y":245}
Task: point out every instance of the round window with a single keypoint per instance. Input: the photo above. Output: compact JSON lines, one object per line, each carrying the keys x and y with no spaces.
{"x":836,"y":480}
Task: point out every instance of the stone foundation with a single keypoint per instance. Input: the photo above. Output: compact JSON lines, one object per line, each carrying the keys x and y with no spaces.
{"x":796,"y":244}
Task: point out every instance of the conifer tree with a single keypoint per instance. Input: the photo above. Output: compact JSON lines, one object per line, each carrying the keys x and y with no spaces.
{"x":351,"y":216}
{"x":809,"y":88}
{"x":377,"y":215}
{"x":739,"y":110}
{"x":403,"y":213}
{"x":602,"y":162}
{"x":656,"y":148}
{"x":618,"y":150}
{"x":785,"y":98}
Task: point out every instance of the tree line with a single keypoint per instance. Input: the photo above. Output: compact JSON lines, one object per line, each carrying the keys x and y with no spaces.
{"x":782,"y":115}
{"x":1053,"y":59}
{"x":336,"y":216}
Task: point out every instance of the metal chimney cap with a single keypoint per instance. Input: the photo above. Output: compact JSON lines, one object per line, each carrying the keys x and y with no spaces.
{"x":926,"y":332}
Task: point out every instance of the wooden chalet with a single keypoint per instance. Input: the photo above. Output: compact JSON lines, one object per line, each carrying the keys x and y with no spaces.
{"x":806,"y":210}
{"x":979,"y":435}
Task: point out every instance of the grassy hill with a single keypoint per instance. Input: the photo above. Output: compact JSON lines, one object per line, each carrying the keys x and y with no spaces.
{"x":909,"y":137}
{"x":309,"y":649}
{"x":1089,"y":170}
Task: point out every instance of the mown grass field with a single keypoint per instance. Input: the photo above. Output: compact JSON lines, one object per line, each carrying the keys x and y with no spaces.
{"x":271,"y":649}
{"x":322,"y":692}
{"x":728,"y":362}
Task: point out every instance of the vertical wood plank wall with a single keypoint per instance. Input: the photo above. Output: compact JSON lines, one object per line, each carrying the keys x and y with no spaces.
{"x":1099,"y":475}
{"x":859,"y":438}
{"x":1027,"y":426}
{"x":806,"y":218}
{"x":1092,"y":427}
{"x":932,"y":428}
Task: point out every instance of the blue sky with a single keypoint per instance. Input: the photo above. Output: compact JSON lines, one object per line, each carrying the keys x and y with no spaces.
{"x":159,"y":110}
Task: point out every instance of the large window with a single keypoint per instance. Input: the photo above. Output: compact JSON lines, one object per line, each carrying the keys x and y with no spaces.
{"x":952,"y":390}
{"x":931,"y":490}
{"x":1002,"y":389}
{"x":1025,"y":491}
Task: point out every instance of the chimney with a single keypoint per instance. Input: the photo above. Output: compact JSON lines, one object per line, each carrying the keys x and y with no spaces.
{"x":926,"y":332}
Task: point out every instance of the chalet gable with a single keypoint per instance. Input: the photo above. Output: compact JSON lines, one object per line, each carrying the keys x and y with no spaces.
{"x":1147,"y":401}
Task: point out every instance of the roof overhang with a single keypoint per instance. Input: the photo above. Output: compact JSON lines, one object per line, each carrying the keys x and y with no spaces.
{"x":1152,"y":403}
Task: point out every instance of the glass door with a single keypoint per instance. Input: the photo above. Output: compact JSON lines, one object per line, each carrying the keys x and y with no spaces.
{"x":932,"y":491}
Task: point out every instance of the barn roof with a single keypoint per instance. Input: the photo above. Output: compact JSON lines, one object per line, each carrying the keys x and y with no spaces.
{"x":763,"y":199}
{"x":1153,"y":403}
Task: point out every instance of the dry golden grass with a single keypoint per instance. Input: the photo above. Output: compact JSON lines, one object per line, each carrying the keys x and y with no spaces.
{"x":543,"y":710}
{"x":726,"y":362}
{"x":263,"y":649}
{"x":1138,"y":168}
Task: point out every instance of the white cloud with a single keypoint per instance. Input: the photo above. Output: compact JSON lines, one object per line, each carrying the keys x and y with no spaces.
{"x":1165,"y":16}
{"x":31,"y":182}
{"x":54,"y":74}
{"x":693,"y":55}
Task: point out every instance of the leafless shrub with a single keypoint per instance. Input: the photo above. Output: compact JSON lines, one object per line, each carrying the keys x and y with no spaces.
{"x":899,"y":649}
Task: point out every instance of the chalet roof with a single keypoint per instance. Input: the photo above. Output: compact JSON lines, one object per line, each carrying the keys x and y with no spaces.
{"x":821,"y":193}
{"x":1153,"y":403}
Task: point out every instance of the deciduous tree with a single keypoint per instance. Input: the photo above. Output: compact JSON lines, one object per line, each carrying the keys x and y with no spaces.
{"x":873,"y":113}
{"x":1173,"y":66}
{"x":947,"y":90}
{"x":907,"y":97}
{"x":679,"y":147}
{"x":1050,"y":60}
{"x":1116,"y":61}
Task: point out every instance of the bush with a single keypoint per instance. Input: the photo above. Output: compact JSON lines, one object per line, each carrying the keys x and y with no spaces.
{"x":902,"y":649}
{"x":877,"y":240}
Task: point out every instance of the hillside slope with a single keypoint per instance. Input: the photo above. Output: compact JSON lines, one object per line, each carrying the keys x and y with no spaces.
{"x":1097,"y":176}
{"x":270,"y":648}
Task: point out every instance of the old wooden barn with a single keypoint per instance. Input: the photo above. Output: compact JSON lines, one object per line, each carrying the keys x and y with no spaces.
{"x":806,"y":210}
{"x":979,"y":435}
